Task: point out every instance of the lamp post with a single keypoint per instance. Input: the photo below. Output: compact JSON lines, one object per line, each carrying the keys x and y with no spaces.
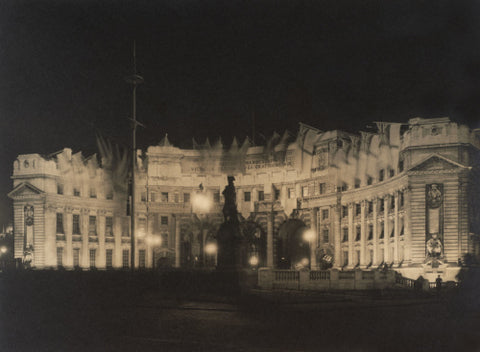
{"x":201,"y":206}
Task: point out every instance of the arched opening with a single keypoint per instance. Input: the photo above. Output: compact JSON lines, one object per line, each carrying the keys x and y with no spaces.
{"x":293,"y":251}
{"x":255,"y":252}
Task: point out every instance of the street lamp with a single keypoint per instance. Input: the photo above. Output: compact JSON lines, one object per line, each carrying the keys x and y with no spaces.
{"x":3,"y":249}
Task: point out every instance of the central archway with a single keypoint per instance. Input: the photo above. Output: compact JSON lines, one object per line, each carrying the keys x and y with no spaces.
{"x":292,"y":250}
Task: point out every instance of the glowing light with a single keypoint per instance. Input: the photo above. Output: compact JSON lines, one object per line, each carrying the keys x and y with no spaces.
{"x":154,"y":240}
{"x":253,"y":260}
{"x":305,"y":261}
{"x":3,"y":249}
{"x":201,"y":203}
{"x":211,"y":248}
{"x":309,"y":235}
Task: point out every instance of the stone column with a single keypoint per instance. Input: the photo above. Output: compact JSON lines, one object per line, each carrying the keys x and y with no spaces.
{"x":337,"y":233}
{"x":407,"y":249}
{"x":50,"y":246}
{"x":314,"y":242}
{"x":396,"y":242}
{"x":117,"y":232}
{"x":68,"y":228}
{"x":270,"y":218}
{"x":363,"y":234}
{"x":177,"y":241}
{"x":386,"y":229}
{"x":351,"y":234}
{"x":101,"y":261}
{"x":375,"y":259}
{"x":84,"y":255}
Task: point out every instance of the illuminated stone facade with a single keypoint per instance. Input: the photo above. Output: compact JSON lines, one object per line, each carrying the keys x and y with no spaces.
{"x":406,"y":196}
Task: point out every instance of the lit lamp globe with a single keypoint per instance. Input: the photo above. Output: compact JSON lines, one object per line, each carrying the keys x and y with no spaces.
{"x":201,"y":203}
{"x":253,"y":260}
{"x":309,"y":235}
{"x":304,"y":262}
{"x":154,"y":240}
{"x":3,"y":249}
{"x":211,"y":248}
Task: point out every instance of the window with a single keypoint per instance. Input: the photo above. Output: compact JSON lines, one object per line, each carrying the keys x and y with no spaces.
{"x":326,"y":238}
{"x":59,"y":256}
{"x":153,"y":197}
{"x":92,"y":225}
{"x":392,"y":202}
{"x":109,"y":256}
{"x":370,"y":232}
{"x":164,"y":220}
{"x":216,"y":197}
{"x":382,"y":229}
{"x":60,"y":223}
{"x":344,"y":211}
{"x":369,"y":180}
{"x":165,"y":197}
{"x":175,"y":197}
{"x":392,"y":172}
{"x":277,"y":194}
{"x":261,"y":196}
{"x":108,"y":226}
{"x":344,"y":187}
{"x":143,"y":197}
{"x":246,"y":196}
{"x":93,"y":255}
{"x":324,"y":214}
{"x":392,"y":232}
{"x":186,"y":197}
{"x":345,"y":234}
{"x":358,"y":209}
{"x":305,"y":191}
{"x":109,"y":194}
{"x":322,"y":188}
{"x":141,"y":258}
{"x":93,"y":193}
{"x":125,"y":258}
{"x":358,"y":233}
{"x":76,"y":224}
{"x":381,"y":175}
{"x":370,"y":207}
{"x":164,"y":240}
{"x":125,"y":227}
{"x":400,"y":166}
{"x":345,"y":258}
{"x":76,"y":257}
{"x":291,"y":193}
{"x":76,"y":192}
{"x":402,"y":230}
{"x":382,"y":205}
{"x":357,"y":183}
{"x":142,"y":227}
{"x":59,"y":188}
{"x":401,"y":200}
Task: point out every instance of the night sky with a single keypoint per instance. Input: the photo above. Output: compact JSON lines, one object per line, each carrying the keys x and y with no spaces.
{"x":210,"y":65}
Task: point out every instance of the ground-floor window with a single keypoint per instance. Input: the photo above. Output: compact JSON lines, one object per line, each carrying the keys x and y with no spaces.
{"x":92,"y":258}
{"x":141,"y":258}
{"x":76,"y":257}
{"x":125,"y":258}
{"x":59,"y":256}
{"x":345,"y":258}
{"x":109,"y":255}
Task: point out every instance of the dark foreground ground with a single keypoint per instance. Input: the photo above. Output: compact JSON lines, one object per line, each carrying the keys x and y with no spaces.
{"x":54,"y":311}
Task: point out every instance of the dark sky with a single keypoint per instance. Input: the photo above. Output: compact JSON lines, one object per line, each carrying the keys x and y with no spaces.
{"x":209,"y":64}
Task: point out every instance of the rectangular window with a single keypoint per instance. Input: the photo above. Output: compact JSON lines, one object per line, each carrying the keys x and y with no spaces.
{"x":109,"y":194}
{"x":125,"y":258}
{"x":76,"y":257}
{"x":216,"y":197}
{"x":326,"y":238}
{"x":76,"y":224}
{"x":164,"y":220}
{"x":277,"y":194}
{"x":392,"y":172}
{"x":358,"y":233}
{"x":324,"y":214}
{"x":92,"y":225}
{"x":261,"y":196}
{"x":247,"y":196}
{"x":358,"y":209}
{"x":125,"y":227}
{"x":143,"y":196}
{"x":401,"y":200}
{"x":369,"y":180}
{"x":344,"y":187}
{"x":382,"y":229}
{"x":59,"y":256}
{"x":305,"y":191}
{"x":400,"y":166}
{"x":93,"y":257}
{"x":165,"y":240}
{"x":60,"y":223}
{"x":142,"y":227}
{"x":108,"y":226}
{"x":76,"y":192}
{"x":381,"y":175}
{"x":186,"y":197}
{"x":357,"y":183}
{"x":165,"y":197}
{"x":109,"y":256}
{"x":370,"y":232}
{"x":392,"y":202}
{"x":344,"y":211}
{"x":153,"y":197}
{"x":370,"y":207}
{"x":59,"y":188}
{"x":322,"y":188}
{"x":175,"y":197}
{"x":141,"y":258}
{"x":345,"y":258}
{"x":345,"y":234}
{"x":291,"y":193}
{"x":402,"y":230}
{"x":382,"y":205}
{"x":93,"y":193}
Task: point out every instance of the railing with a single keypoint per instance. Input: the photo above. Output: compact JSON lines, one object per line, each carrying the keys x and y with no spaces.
{"x":405,"y":281}
{"x":60,"y":237}
{"x":319,"y":275}
{"x":109,"y":239}
{"x":286,"y":275}
{"x":368,"y":275}
{"x":346,"y":275}
{"x":77,"y":238}
{"x":92,"y":238}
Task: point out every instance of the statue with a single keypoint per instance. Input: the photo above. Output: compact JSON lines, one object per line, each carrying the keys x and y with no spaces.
{"x":230,"y":206}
